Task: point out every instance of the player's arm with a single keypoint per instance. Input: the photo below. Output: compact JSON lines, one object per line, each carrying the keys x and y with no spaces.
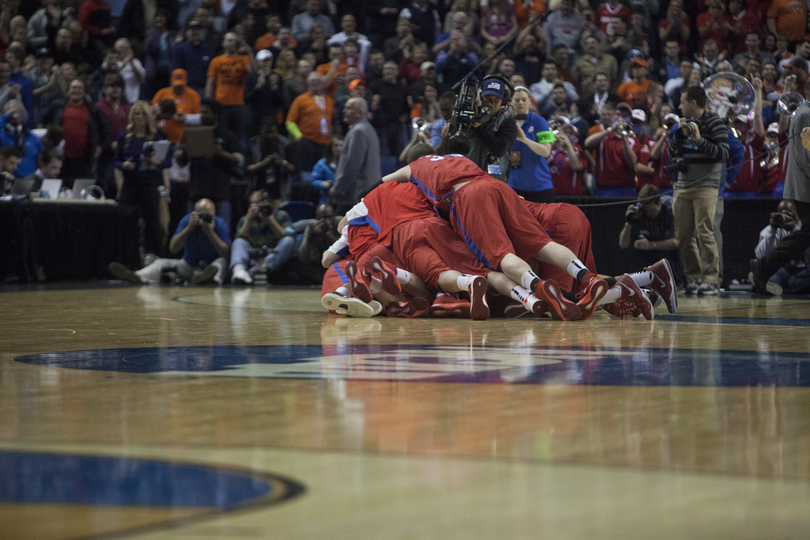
{"x":402,"y":175}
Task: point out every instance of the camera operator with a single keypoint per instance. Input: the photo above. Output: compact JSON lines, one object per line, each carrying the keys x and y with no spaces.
{"x":794,"y":277}
{"x":319,"y":235}
{"x":701,"y":143}
{"x":262,"y":241}
{"x":492,"y":135}
{"x":650,"y":229}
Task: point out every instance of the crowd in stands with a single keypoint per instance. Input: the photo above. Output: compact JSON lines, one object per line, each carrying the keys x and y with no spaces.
{"x":87,"y":84}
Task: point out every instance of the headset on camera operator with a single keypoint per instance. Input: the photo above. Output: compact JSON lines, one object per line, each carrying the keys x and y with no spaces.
{"x":699,"y":149}
{"x":487,"y":128}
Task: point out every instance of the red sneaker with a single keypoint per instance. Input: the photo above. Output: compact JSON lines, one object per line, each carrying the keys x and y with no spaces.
{"x":516,"y":309}
{"x":664,"y":283}
{"x":358,"y":287}
{"x":448,"y":305}
{"x":633,"y":296}
{"x":479,"y":309}
{"x":413,"y":308}
{"x":549,"y":291}
{"x":622,"y":309}
{"x":593,"y":289}
{"x":390,"y":283}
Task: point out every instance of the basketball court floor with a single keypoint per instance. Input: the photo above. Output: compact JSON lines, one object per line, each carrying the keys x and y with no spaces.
{"x":183,"y":412}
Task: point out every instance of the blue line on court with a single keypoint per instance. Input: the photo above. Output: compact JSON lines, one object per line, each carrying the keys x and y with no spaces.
{"x":737,"y":320}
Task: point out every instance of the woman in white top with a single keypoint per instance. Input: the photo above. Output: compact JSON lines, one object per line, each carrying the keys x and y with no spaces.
{"x":130,"y":69}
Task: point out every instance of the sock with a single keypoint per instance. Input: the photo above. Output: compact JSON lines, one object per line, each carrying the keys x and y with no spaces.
{"x":343,"y":291}
{"x":375,"y":286}
{"x":613,"y":295}
{"x":403,"y":275}
{"x":642,"y":279}
{"x":571,"y":297}
{"x":577,"y":269}
{"x":441,"y":293}
{"x":611,"y":281}
{"x":464,"y":281}
{"x":520,"y":294}
{"x":528,"y":279}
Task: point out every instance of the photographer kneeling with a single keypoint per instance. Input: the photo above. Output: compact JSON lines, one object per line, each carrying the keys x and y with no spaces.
{"x":794,"y":277}
{"x":650,"y":228}
{"x":263,"y":242}
{"x":492,"y":135}
{"x":699,"y":149}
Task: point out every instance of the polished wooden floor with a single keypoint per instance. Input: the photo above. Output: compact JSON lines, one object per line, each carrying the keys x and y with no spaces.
{"x":689,"y":426}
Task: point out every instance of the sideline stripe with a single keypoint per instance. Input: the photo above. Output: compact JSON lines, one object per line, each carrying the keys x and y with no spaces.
{"x":737,"y":320}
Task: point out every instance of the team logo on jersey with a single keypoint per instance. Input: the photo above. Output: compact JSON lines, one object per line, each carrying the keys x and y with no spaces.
{"x":448,"y":363}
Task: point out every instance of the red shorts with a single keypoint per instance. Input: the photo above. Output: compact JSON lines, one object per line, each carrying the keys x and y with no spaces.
{"x":361,"y":239}
{"x":335,"y":277}
{"x":568,"y":226}
{"x":429,"y":246}
{"x":492,"y":220}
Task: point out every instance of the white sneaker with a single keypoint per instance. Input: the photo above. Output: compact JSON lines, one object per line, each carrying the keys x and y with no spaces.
{"x":240,"y":276}
{"x":707,"y":289}
{"x":350,"y":306}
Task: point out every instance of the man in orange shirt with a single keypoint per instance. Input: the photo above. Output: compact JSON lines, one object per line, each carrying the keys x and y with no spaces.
{"x":275,"y":32}
{"x":309,"y":122}
{"x":186,"y":101}
{"x":788,"y":17}
{"x":634,"y":92}
{"x":226,"y":81}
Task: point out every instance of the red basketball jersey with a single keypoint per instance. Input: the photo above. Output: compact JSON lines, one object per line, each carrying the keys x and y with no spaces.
{"x":436,"y":176}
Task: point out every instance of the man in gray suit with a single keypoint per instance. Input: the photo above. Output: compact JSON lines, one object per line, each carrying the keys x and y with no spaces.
{"x":359,"y":163}
{"x":797,"y":187}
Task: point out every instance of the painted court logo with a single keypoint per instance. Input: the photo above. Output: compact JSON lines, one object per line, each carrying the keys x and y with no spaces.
{"x":450,"y":363}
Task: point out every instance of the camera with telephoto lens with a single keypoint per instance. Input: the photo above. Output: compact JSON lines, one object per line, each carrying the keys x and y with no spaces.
{"x":634,"y":216}
{"x":464,"y":113}
{"x":205,"y":216}
{"x":678,"y":165}
{"x":265,"y":209}
{"x":323,"y":226}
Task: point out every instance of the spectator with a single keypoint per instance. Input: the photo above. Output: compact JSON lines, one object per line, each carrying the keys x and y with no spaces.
{"x":376,"y":61}
{"x":333,"y":69}
{"x":776,"y":167}
{"x":49,"y":166}
{"x":428,"y":108}
{"x":211,"y":175}
{"x":459,"y":22}
{"x":9,"y":160}
{"x":567,"y":162}
{"x":615,"y":171}
{"x":284,"y":42}
{"x":315,"y":43}
{"x":793,"y":277}
{"x":428,"y":78}
{"x":44,"y":23}
{"x":135,"y":22}
{"x":263,"y":92}
{"x":787,"y":17}
{"x":395,"y":46}
{"x":591,"y":105}
{"x":159,"y":48}
{"x":139,"y":172}
{"x":673,"y":87}
{"x":285,"y":64}
{"x":498,"y":21}
{"x":609,"y":13}
{"x":473,"y":22}
{"x":359,"y":164}
{"x":323,"y":174}
{"x":186,"y":104}
{"x":669,"y":67}
{"x":541,"y":90}
{"x":44,"y":82}
{"x":742,"y":21}
{"x":272,"y":24}
{"x":209,"y":33}
{"x":64,"y":48}
{"x":309,"y":122}
{"x":13,"y":132}
{"x":750,"y":178}
{"x":296,"y":86}
{"x":707,"y":62}
{"x":193,"y":56}
{"x":410,"y":68}
{"x":15,"y":54}
{"x":563,"y":26}
{"x":650,"y":227}
{"x":319,"y":235}
{"x":696,"y":189}
{"x":85,"y":130}
{"x":752,"y":52}
{"x":258,"y":11}
{"x":781,"y":52}
{"x":529,"y":55}
{"x":116,"y":110}
{"x":96,"y":19}
{"x":675,"y":26}
{"x":558,"y":105}
{"x":268,"y":166}
{"x":715,"y":24}
{"x":425,"y":20}
{"x":643,"y":147}
{"x":348,"y":26}
{"x":592,"y":62}
{"x":205,"y":240}
{"x":634,"y":92}
{"x":302,"y":22}
{"x":529,"y":175}
{"x":455,"y":62}
{"x":659,"y":155}
{"x":226,"y":82}
{"x":561,"y":59}
{"x":389,"y":106}
{"x":130,"y":69}
{"x":244,"y":25}
{"x":447,"y":102}
{"x":262,"y":243}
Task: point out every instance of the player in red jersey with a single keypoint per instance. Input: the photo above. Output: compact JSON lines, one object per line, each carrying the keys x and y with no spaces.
{"x":498,"y":229}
